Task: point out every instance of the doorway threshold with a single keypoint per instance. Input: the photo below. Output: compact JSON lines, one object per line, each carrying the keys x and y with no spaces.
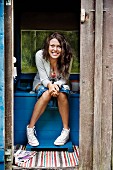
{"x":46,"y":159}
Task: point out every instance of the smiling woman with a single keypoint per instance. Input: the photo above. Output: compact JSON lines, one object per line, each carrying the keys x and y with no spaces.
{"x":56,"y":55}
{"x":35,"y":39}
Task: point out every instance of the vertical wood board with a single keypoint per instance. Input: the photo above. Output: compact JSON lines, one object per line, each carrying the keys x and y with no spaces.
{"x":9,"y":81}
{"x":107,"y":85}
{"x":98,"y":84}
{"x":8,"y":74}
{"x":86,"y":87}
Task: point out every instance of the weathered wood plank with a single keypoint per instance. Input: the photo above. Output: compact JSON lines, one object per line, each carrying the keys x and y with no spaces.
{"x":8,"y":74}
{"x":98,"y":85}
{"x":9,"y":80}
{"x":86,"y":87}
{"x":107,"y":85}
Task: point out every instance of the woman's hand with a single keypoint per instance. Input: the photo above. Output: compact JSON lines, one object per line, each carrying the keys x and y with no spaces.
{"x":55,"y":93}
{"x":53,"y":90}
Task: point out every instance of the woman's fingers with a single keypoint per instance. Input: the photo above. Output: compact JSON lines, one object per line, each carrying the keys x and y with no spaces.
{"x":54,"y":93}
{"x":56,"y":87}
{"x":54,"y":90}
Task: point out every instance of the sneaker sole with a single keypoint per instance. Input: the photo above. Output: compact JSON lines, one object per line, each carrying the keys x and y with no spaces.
{"x":33,"y":144}
{"x":60,"y":144}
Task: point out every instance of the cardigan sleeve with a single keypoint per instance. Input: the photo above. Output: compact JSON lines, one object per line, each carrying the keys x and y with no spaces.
{"x":41,"y":68}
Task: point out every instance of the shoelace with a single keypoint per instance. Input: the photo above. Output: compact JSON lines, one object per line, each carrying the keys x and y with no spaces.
{"x":32,"y":133}
{"x":63,"y":134}
{"x":35,"y":132}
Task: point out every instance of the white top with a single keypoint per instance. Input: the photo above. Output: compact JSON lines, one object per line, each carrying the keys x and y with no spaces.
{"x":43,"y":74}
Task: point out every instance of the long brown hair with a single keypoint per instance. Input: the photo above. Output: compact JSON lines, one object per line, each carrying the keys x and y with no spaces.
{"x":66,"y":55}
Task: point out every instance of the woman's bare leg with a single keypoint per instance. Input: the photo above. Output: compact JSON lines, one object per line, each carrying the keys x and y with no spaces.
{"x":64,"y":112}
{"x":64,"y":109}
{"x":39,"y":108}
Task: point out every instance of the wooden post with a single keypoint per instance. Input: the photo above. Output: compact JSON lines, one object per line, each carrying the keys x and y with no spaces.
{"x":87,"y":33}
{"x":9,"y":82}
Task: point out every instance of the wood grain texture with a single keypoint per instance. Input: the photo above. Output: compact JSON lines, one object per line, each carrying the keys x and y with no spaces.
{"x":86,"y":87}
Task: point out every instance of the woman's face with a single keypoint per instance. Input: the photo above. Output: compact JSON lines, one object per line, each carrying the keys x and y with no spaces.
{"x":54,"y":48}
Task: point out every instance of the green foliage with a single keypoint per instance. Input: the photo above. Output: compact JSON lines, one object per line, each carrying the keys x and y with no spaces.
{"x":33,"y":40}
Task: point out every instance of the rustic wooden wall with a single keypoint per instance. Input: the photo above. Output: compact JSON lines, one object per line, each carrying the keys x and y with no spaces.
{"x":96,"y":61}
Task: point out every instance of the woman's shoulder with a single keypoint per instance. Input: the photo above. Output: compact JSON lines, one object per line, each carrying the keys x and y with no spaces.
{"x":39,"y":53}
{"x":39,"y":56}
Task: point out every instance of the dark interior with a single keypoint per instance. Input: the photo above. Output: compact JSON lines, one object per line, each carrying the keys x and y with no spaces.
{"x":47,"y":14}
{"x":43,"y":15}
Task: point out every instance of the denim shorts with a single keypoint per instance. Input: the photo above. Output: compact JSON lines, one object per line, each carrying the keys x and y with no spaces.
{"x":41,"y":89}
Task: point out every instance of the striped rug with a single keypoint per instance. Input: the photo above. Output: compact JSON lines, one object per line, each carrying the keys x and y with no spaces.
{"x":52,"y":159}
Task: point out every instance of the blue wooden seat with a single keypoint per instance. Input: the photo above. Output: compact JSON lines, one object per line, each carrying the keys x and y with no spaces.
{"x":52,"y":104}
{"x":49,"y":125}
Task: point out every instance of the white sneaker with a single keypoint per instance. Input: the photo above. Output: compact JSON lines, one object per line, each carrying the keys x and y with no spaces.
{"x":63,"y":138}
{"x":32,"y":140}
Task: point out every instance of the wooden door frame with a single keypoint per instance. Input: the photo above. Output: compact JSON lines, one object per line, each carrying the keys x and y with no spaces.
{"x":9,"y":53}
{"x":95,"y":89}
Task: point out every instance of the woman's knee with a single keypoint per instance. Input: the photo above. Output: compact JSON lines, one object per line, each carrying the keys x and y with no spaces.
{"x":62,"y":96}
{"x":46,"y":96}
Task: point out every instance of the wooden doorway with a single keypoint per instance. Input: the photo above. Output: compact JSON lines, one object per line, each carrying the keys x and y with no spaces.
{"x":96,"y":89}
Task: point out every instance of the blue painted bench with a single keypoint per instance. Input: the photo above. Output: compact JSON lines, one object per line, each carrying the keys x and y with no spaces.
{"x":49,"y":124}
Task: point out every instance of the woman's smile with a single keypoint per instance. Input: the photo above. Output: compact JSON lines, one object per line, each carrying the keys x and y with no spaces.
{"x":54,"y":48}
